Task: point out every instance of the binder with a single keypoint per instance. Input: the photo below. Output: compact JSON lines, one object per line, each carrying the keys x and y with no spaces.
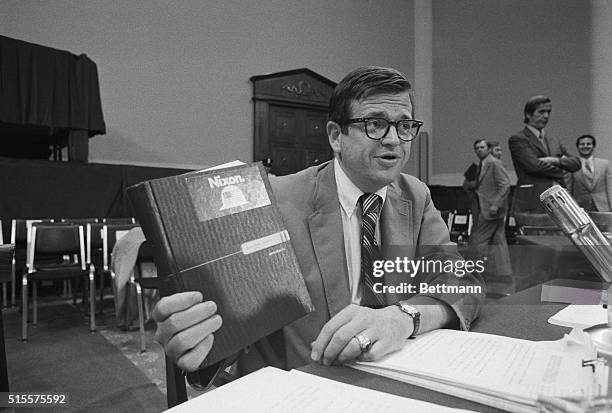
{"x":220,"y":232}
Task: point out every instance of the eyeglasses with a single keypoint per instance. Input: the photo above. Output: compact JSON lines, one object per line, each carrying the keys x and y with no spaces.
{"x":378,"y":128}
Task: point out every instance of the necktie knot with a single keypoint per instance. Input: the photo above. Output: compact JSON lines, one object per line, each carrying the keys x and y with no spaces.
{"x":370,"y":205}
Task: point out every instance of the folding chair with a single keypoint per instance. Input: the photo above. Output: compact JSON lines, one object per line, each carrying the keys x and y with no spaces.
{"x":55,"y":252}
{"x":79,"y":221}
{"x":145,"y":255}
{"x":127,"y":220}
{"x":7,"y":254}
{"x":20,"y":236}
{"x":461,"y":225}
{"x":95,"y":254}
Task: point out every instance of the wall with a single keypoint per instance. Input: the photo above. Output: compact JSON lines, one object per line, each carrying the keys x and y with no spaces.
{"x":174,"y":76}
{"x":489,"y":57}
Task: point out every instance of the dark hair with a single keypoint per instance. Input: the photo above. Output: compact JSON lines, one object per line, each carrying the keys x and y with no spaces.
{"x":493,"y":144}
{"x":532,"y":104}
{"x":584,"y":137}
{"x":363,"y":82}
{"x":480,"y":140}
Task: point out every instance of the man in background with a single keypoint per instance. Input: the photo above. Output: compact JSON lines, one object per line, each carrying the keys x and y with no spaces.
{"x":469,"y":185}
{"x":496,"y":149}
{"x":331,"y":213}
{"x":492,"y":189}
{"x":591,"y":185}
{"x":540,"y":161}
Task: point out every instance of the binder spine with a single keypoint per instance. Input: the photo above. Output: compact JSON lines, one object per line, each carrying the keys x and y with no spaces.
{"x":145,"y":207}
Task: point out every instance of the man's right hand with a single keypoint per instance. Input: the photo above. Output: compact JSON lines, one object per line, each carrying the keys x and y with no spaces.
{"x":185,"y":327}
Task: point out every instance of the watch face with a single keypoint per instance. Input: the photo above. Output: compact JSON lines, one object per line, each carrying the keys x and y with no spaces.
{"x":409,"y":309}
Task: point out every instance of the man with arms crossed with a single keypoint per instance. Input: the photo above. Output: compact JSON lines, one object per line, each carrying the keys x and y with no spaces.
{"x":370,"y":128}
{"x":591,"y":186}
{"x":540,"y":161}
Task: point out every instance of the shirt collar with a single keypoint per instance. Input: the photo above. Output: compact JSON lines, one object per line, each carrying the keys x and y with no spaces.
{"x":536,"y":132}
{"x":348,"y":193}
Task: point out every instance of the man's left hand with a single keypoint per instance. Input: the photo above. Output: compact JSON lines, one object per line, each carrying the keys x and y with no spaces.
{"x":387,"y":328}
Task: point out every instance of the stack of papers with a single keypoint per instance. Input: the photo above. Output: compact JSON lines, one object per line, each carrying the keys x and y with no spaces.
{"x":499,"y":371}
{"x":273,"y":390}
{"x":580,"y":316}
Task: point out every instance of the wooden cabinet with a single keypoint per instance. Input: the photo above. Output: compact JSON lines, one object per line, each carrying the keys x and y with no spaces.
{"x":290,"y":114}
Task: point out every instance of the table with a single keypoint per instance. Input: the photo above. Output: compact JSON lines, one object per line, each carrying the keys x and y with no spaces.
{"x":520,"y":315}
{"x":558,"y":254}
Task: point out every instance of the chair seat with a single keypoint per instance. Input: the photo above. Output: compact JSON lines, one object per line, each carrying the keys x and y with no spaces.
{"x":58,"y":273}
{"x":148,"y":282}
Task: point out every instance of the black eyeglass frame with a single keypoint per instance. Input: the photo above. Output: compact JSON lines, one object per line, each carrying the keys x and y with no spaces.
{"x":389,"y":124}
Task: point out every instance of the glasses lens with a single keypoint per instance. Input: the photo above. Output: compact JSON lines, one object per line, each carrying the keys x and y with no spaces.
{"x":408,"y":129}
{"x":376,"y":127}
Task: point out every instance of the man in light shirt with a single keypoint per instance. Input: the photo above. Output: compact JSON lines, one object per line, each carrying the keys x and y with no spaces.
{"x":591,"y":185}
{"x":331,"y":212}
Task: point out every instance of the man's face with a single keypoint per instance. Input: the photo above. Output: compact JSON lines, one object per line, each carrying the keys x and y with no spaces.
{"x":585,"y":147}
{"x":372,"y":164}
{"x":481,"y":149}
{"x":496,"y":151}
{"x":539,"y":118}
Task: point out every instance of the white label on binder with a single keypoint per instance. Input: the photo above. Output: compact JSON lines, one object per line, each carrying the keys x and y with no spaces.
{"x":264,"y":242}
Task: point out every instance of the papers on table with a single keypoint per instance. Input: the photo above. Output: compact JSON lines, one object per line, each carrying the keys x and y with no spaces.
{"x":273,"y":390}
{"x":503,"y":372}
{"x":580,"y":316}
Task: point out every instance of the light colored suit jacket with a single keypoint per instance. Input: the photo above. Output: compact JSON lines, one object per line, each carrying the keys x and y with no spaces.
{"x":534,"y":175}
{"x":493,"y":188}
{"x":598,"y":190}
{"x":308,"y":201}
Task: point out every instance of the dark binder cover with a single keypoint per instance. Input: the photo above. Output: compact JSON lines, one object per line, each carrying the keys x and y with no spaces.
{"x":220,"y":232}
{"x":471,"y":172}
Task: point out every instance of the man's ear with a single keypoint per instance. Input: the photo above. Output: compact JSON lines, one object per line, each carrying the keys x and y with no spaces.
{"x":334,"y":134}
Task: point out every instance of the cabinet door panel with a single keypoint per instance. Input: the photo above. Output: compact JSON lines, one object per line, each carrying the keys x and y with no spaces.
{"x":284,"y":124}
{"x":286,"y":160}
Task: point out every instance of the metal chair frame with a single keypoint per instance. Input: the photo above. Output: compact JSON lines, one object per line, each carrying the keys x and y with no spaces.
{"x":77,"y":249}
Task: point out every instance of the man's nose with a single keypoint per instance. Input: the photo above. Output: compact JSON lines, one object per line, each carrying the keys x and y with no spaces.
{"x":391,"y":138}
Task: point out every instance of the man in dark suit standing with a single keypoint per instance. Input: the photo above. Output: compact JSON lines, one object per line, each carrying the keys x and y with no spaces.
{"x":591,"y":186}
{"x":492,"y":188}
{"x":540,"y":161}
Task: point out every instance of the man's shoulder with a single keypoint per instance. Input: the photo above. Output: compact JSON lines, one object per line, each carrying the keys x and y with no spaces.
{"x":300,"y":186}
{"x":521,"y":134}
{"x":409,"y":184}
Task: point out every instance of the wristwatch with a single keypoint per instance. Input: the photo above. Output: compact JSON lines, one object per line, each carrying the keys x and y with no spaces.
{"x":414,"y":313}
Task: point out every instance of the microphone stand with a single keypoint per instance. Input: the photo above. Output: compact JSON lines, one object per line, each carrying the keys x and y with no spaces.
{"x":580,"y":228}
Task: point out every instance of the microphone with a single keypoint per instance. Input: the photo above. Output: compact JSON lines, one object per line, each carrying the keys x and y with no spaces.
{"x":580,"y":228}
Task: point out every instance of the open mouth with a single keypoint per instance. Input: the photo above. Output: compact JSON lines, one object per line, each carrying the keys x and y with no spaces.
{"x":388,"y":157}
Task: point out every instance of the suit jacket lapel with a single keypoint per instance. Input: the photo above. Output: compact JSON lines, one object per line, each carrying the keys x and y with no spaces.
{"x":324,"y":225}
{"x":396,"y":229}
{"x":535,"y":141}
{"x":597,"y":170}
{"x":483,"y":171}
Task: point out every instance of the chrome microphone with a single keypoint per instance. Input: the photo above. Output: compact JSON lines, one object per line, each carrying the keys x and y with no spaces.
{"x":580,"y":228}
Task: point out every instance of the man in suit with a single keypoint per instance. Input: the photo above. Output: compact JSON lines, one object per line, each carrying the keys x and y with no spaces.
{"x":469,"y":186}
{"x":540,"y":161}
{"x":370,"y":128}
{"x":591,"y":185}
{"x":492,"y":188}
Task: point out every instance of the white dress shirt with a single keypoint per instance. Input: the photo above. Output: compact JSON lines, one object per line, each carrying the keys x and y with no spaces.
{"x":349,"y":194}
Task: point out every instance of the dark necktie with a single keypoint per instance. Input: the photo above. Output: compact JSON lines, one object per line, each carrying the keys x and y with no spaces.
{"x":370,"y":207}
